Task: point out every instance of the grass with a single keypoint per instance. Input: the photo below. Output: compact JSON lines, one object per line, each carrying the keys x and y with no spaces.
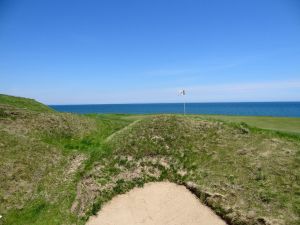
{"x":60,"y":168}
{"x":24,"y":103}
{"x":283,"y":124}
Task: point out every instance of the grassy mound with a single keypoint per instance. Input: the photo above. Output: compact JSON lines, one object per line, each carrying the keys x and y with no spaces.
{"x":24,"y":103}
{"x":37,"y":173}
{"x":247,"y":176}
{"x":60,"y":168}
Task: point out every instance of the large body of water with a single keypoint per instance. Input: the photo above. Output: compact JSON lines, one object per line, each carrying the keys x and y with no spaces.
{"x":285,"y":109}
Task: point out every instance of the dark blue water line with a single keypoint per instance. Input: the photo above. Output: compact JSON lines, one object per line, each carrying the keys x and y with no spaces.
{"x":283,"y":109}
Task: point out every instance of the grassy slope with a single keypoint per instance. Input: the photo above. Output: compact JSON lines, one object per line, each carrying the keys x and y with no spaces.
{"x":23,"y":103}
{"x":247,"y":176}
{"x":284,"y":124}
{"x":43,"y":154}
{"x":60,"y":168}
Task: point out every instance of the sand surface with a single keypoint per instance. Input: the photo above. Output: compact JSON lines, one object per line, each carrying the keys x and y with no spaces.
{"x":160,"y":203}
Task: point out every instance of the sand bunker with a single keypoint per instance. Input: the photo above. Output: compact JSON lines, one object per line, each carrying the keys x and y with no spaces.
{"x":161,"y":203}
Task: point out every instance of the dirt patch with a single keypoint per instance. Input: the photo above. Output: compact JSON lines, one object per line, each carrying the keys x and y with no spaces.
{"x":122,"y":130}
{"x":87,"y":191}
{"x":75,"y":163}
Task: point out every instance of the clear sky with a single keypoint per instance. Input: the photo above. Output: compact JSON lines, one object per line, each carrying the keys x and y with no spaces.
{"x":125,"y":51}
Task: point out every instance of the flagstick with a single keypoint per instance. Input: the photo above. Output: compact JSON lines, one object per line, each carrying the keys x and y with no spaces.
{"x":182,"y":93}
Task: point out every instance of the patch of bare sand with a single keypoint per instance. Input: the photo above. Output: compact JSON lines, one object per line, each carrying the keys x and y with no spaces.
{"x":161,"y":203}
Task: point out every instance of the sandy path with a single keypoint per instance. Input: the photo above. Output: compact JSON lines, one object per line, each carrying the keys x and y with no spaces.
{"x":122,"y":130}
{"x":161,"y":203}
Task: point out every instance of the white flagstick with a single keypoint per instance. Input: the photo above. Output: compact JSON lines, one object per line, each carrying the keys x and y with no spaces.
{"x":182,"y":93}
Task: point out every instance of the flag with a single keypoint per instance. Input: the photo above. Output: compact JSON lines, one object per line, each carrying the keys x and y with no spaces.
{"x":182,"y":92}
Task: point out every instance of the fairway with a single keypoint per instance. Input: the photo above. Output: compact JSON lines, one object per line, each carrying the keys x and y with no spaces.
{"x":284,"y":124}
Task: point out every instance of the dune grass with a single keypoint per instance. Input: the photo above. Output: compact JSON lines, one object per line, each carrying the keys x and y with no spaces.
{"x":247,"y":176}
{"x":43,"y":156}
{"x":24,"y":103}
{"x":60,"y":168}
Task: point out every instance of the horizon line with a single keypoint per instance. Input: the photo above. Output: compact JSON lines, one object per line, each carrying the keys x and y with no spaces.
{"x":149,"y":103}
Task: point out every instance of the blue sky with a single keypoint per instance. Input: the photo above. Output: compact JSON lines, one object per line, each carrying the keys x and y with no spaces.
{"x":109,"y":51}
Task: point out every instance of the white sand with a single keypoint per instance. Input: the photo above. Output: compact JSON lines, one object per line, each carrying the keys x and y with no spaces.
{"x":161,"y":203}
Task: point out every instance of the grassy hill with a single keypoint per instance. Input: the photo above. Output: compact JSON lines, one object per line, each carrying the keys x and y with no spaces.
{"x":36,"y":172}
{"x":60,"y":168}
{"x":23,"y":103}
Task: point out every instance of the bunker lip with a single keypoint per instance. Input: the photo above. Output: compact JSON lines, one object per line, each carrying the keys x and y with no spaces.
{"x":157,"y":203}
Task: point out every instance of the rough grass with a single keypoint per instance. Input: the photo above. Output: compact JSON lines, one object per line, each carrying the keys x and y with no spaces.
{"x":247,"y":177}
{"x":38,"y":175}
{"x":43,"y":155}
{"x":59,"y":168}
{"x":24,"y":103}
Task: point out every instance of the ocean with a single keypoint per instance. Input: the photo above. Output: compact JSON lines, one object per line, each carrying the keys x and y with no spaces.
{"x":282,"y":109}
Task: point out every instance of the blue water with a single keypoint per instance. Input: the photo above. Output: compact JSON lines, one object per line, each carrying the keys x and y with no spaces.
{"x":286,"y":109}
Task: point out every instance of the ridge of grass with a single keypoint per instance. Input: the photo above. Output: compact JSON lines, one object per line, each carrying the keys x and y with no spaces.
{"x":24,"y":103}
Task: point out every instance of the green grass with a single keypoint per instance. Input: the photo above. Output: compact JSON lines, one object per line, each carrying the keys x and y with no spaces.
{"x":24,"y":103}
{"x":60,"y":168}
{"x":284,"y":124}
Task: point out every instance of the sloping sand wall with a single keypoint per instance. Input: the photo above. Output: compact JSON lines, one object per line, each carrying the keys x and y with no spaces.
{"x":160,"y":203}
